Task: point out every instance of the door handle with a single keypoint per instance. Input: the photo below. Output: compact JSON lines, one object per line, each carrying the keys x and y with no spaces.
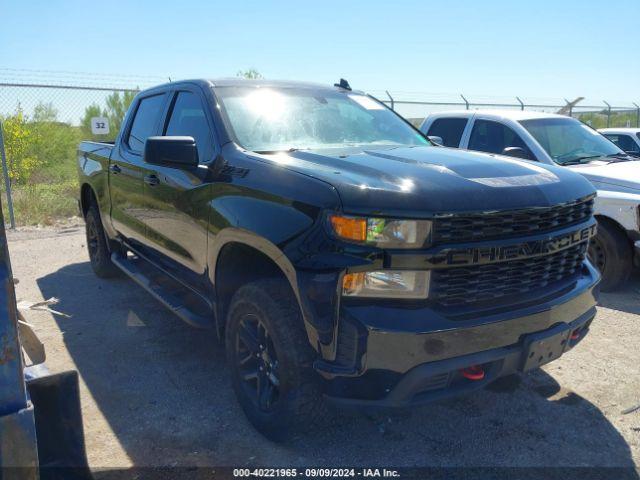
{"x":115,"y":169}
{"x":151,"y":180}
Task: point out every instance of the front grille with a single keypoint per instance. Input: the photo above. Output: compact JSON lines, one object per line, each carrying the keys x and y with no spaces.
{"x":461,"y":286}
{"x":478,"y":227}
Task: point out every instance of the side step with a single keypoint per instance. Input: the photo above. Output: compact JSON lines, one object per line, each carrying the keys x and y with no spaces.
{"x":136,"y":271}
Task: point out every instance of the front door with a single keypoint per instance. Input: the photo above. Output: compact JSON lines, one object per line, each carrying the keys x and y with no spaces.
{"x":176,"y":198}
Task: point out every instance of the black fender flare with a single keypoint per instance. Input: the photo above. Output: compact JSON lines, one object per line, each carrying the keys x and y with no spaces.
{"x":271,"y":251}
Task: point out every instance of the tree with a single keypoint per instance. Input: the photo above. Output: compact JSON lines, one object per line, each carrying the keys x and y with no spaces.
{"x":91,"y":111}
{"x":53,"y":144}
{"x":115,"y":110}
{"x":251,"y":74}
{"x":44,"y":112}
{"x":117,"y":107}
{"x":18,"y":137}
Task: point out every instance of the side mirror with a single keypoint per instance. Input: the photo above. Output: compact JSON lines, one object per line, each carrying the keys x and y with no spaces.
{"x":516,"y":152}
{"x":171,"y":151}
{"x":437,"y":140}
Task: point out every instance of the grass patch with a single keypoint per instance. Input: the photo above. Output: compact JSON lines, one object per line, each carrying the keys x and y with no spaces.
{"x":42,"y":203}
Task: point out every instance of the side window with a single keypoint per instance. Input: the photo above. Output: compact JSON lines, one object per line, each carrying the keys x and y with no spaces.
{"x":494,"y":137}
{"x":624,"y":142}
{"x":144,"y":122}
{"x":449,"y":129}
{"x":189,"y":119}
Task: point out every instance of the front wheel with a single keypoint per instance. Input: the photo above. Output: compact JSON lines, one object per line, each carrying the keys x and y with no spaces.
{"x":610,"y":253}
{"x":271,"y":360}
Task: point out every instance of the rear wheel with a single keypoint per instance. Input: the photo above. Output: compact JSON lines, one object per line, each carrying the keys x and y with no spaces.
{"x":611,"y":254}
{"x":271,"y":360}
{"x":99,"y":252}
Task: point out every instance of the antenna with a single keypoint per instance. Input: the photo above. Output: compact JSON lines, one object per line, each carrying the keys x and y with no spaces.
{"x":343,"y":84}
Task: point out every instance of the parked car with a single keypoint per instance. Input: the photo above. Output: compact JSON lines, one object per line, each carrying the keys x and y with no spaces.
{"x":339,"y":254}
{"x":627,"y":139}
{"x":558,"y":140}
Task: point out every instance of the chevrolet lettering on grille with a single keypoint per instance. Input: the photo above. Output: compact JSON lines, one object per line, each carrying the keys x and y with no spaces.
{"x":492,"y":254}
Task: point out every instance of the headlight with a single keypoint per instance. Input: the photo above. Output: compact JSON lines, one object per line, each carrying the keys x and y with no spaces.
{"x":382,"y":232}
{"x":409,"y":284}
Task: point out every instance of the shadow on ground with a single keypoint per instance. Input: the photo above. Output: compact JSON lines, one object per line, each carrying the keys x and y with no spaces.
{"x":625,"y":299}
{"x":164,"y":389}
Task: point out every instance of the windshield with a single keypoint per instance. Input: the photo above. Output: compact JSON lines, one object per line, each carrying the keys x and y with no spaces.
{"x":279,"y":119}
{"x":567,"y":140}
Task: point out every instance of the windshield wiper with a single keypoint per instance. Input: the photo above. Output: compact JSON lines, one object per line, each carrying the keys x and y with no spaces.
{"x":580,"y":160}
{"x":620,"y":157}
{"x":283,"y":150}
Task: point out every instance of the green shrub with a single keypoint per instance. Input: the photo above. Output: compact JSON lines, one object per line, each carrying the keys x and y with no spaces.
{"x":43,"y":203}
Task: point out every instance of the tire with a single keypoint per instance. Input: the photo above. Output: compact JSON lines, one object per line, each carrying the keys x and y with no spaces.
{"x":610,"y":253}
{"x":99,"y":252}
{"x":264,"y":322}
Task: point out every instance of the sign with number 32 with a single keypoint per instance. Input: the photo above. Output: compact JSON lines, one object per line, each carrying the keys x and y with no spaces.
{"x":100,"y":125}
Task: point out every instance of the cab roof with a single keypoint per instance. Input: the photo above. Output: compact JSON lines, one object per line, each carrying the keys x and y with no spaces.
{"x":499,"y":113}
{"x":620,"y":130}
{"x":262,"y":83}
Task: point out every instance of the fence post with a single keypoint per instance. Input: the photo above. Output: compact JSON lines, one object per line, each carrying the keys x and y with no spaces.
{"x":390,"y":98}
{"x":637,"y":115}
{"x":465,"y":101}
{"x":608,"y":113}
{"x":570,"y":105}
{"x":521,"y":103}
{"x":7,"y":180}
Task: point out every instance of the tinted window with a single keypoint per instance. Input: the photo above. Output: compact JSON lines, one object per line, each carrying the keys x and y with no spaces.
{"x":144,"y":122}
{"x":449,"y":129}
{"x":625,"y":142}
{"x":494,"y":137}
{"x":188,"y":119}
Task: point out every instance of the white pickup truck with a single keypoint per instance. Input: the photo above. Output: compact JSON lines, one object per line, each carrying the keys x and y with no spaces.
{"x":628,"y":139}
{"x":556,"y":139}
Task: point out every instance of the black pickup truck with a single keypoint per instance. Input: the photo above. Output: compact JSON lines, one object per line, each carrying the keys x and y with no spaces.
{"x":341,"y":256}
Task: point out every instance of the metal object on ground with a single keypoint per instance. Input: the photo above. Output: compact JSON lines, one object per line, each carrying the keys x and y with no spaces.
{"x":41,"y":433}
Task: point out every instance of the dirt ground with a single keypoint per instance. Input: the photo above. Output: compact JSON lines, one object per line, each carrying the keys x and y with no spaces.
{"x":156,"y":392}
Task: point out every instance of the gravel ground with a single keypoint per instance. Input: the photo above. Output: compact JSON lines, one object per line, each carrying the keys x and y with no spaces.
{"x":156,"y":392}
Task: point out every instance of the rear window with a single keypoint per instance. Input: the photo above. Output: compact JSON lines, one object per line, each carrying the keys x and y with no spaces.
{"x":144,"y":122}
{"x":624,"y":142}
{"x":449,"y":129}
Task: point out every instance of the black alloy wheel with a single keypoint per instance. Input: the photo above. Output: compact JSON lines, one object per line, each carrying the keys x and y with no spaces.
{"x":258,"y":362}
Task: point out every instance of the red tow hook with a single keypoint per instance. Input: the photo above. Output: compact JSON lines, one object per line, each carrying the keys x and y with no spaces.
{"x":575,"y":335}
{"x":474,"y":372}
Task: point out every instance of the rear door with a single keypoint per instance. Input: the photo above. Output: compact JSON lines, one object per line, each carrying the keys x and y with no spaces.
{"x":450,"y":129}
{"x":126,"y":167}
{"x":176,"y":198}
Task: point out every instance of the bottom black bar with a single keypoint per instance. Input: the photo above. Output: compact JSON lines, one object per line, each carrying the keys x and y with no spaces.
{"x":426,"y":473}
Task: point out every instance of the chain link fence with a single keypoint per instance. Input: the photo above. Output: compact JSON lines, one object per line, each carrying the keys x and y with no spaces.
{"x":415,"y":106}
{"x":42,"y":122}
{"x":42,"y":126}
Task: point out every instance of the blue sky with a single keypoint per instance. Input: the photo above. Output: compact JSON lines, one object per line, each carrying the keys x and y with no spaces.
{"x":496,"y":48}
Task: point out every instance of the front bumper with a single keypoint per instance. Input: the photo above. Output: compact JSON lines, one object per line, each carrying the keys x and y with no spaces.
{"x":387,"y":357}
{"x":437,"y":380}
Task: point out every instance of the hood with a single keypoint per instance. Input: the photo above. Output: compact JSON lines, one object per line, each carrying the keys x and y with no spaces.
{"x":623,"y":174}
{"x":422,"y":181}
